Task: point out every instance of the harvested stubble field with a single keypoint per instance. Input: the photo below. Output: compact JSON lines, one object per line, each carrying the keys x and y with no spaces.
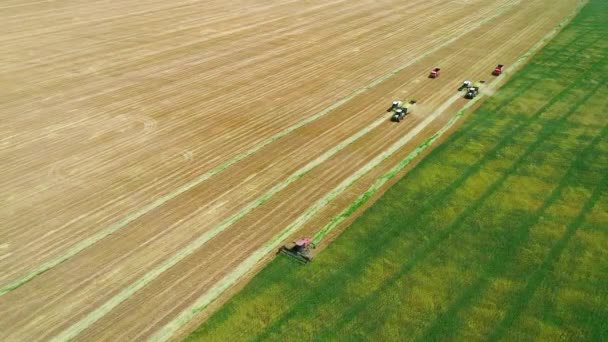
{"x":149,"y":148}
{"x":500,"y":233}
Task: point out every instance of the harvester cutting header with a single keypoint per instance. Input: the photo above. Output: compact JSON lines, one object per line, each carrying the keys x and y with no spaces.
{"x":300,"y":250}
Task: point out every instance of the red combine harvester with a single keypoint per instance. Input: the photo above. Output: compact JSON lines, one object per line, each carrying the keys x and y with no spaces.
{"x":435,"y":73}
{"x":300,"y":250}
{"x":498,"y":70}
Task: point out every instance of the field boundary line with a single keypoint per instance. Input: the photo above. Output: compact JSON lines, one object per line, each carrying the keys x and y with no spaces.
{"x":202,"y":302}
{"x":84,"y":244}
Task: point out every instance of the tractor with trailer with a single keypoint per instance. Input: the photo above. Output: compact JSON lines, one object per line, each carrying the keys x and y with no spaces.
{"x":300,"y":250}
{"x":435,"y":73}
{"x":473,"y":90}
{"x":398,"y":115}
{"x":498,"y":70}
{"x":403,"y":110}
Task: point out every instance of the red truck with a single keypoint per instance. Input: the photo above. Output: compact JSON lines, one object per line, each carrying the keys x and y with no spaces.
{"x":498,"y":70}
{"x":435,"y":73}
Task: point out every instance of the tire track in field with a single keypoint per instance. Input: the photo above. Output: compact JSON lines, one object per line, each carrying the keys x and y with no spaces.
{"x":75,"y":249}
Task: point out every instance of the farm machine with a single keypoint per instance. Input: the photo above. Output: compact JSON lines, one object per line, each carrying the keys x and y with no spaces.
{"x":396,"y":104}
{"x":473,"y":90}
{"x":401,"y":109}
{"x":465,"y":85}
{"x":300,"y":250}
{"x":435,"y":73}
{"x":498,"y":70}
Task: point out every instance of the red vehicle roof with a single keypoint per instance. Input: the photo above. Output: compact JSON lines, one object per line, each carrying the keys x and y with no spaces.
{"x":303,"y":241}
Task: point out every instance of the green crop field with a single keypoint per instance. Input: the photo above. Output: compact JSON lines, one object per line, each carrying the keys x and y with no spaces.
{"x":501,"y":233}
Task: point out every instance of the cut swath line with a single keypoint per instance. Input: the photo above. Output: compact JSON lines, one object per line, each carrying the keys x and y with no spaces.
{"x":255,"y":257}
{"x":80,"y":246}
{"x":202,"y":302}
{"x":102,"y":310}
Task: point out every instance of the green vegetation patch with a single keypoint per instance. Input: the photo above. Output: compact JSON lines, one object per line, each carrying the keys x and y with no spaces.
{"x":500,"y":233}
